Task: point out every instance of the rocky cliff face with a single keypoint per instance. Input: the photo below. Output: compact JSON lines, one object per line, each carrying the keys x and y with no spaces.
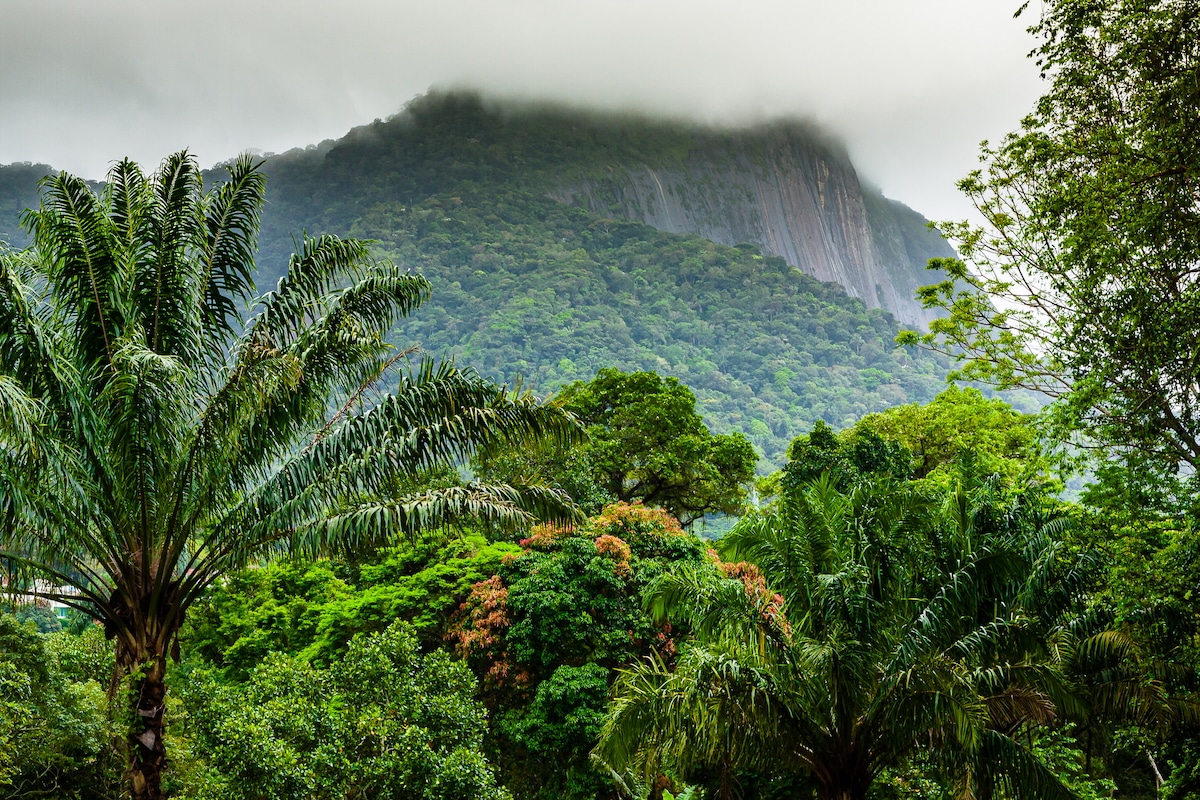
{"x":791,"y":192}
{"x":784,"y":187}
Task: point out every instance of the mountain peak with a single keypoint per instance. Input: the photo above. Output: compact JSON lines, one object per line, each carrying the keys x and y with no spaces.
{"x":784,"y":185}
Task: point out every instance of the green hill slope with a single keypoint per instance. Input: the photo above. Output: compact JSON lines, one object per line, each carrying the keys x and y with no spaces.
{"x":527,"y":286}
{"x":18,"y":191}
{"x":783,"y":186}
{"x":532,"y":224}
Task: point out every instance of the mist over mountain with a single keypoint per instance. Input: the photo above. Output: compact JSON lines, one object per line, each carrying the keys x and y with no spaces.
{"x":751,"y":263}
{"x":785,"y":186}
{"x":18,"y":191}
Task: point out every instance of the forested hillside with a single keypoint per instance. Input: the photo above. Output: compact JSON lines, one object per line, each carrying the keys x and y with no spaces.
{"x":245,"y":555}
{"x":533,"y":288}
{"x":527,"y":285}
{"x":18,"y":191}
{"x":784,"y":186}
{"x":531,"y":224}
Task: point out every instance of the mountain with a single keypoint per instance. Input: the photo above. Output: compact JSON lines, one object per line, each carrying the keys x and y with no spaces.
{"x":784,"y":186}
{"x":786,"y":189}
{"x":750,"y":263}
{"x":18,"y":191}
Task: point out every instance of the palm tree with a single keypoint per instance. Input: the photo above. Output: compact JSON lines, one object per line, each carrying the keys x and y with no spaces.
{"x":884,"y":633}
{"x":153,"y":440}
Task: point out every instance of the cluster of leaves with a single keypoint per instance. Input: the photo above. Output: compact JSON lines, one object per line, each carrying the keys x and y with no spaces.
{"x":924,"y":442}
{"x":548,"y":631}
{"x":383,"y":721}
{"x":645,"y":443}
{"x":54,"y":727}
{"x":313,"y":609}
{"x":1141,"y":523}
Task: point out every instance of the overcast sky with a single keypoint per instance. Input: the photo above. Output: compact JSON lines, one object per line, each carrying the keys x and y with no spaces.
{"x":910,"y":85}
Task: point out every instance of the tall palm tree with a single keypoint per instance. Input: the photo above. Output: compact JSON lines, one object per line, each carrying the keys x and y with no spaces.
{"x":152,"y":440}
{"x":870,"y":645}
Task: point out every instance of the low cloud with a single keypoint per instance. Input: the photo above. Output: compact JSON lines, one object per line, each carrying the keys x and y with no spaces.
{"x":910,"y":86}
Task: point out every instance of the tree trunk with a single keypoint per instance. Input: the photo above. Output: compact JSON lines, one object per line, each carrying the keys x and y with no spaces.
{"x":147,"y":753}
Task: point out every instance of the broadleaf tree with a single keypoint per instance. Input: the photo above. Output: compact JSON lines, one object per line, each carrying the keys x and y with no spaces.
{"x":385,"y":721}
{"x":1081,"y":281}
{"x":646,"y":443}
{"x":152,"y":440}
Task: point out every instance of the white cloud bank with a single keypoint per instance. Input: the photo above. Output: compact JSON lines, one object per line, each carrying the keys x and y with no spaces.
{"x":910,"y":85}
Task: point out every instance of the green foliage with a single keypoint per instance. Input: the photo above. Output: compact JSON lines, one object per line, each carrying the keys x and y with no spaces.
{"x":384,"y":722}
{"x":276,"y":608}
{"x":566,"y":709}
{"x":645,"y":443}
{"x":1138,"y":525}
{"x":1184,"y":767}
{"x":848,"y":460}
{"x":1081,"y":282}
{"x":925,"y":442}
{"x":843,"y":637}
{"x":313,"y":609}
{"x":1059,"y":750}
{"x":54,"y":726}
{"x":1003,"y":440}
{"x":41,"y":615}
{"x":152,"y":440}
{"x":546,"y":633}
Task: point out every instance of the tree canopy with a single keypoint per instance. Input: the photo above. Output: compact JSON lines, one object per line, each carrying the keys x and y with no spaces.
{"x":382,"y":722}
{"x":646,"y":443}
{"x":548,"y":631}
{"x":868,"y":630}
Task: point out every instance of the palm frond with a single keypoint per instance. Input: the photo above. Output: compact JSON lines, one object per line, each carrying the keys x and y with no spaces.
{"x":1004,"y":765}
{"x":227,"y":245}
{"x":711,"y":709}
{"x":708,"y":604}
{"x":165,"y":279}
{"x":71,"y":230}
{"x":320,"y":266}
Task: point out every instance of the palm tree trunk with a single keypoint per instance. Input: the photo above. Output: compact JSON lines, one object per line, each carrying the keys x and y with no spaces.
{"x":147,"y":752}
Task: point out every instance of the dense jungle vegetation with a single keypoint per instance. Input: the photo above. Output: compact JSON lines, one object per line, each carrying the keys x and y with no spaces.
{"x":293,"y":561}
